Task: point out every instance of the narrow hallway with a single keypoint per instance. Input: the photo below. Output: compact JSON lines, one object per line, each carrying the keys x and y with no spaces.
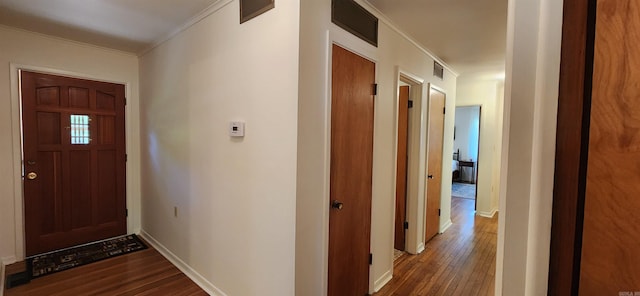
{"x":461,"y":261}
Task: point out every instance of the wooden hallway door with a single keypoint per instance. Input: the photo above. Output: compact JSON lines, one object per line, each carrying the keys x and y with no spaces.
{"x":610,"y":263}
{"x":401,"y":170}
{"x":73,"y":161}
{"x":596,"y":200}
{"x":352,"y":111}
{"x":434,"y":163}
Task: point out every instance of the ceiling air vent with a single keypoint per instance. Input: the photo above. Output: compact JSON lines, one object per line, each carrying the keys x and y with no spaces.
{"x":438,"y":70}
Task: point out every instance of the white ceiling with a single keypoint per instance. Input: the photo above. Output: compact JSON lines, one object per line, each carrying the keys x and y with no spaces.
{"x":128,"y":25}
{"x":468,"y":35}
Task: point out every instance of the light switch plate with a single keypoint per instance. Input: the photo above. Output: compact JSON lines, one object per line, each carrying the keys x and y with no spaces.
{"x":236,"y":129}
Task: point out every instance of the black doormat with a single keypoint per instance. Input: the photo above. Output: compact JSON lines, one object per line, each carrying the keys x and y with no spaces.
{"x":49,"y":263}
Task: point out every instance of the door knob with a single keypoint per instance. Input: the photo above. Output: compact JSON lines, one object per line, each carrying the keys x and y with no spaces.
{"x":430,"y":176}
{"x":32,"y":175}
{"x":337,"y":205}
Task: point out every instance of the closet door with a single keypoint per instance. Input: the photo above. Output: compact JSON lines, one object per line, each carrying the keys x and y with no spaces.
{"x":611,"y":232}
{"x":596,"y":203}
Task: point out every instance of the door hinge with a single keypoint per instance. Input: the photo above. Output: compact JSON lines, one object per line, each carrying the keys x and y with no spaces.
{"x":375,"y":89}
{"x":438,"y":212}
{"x":444,"y":110}
{"x":410,"y":104}
{"x":370,"y":259}
{"x":125,"y":101}
{"x":406,"y":225}
{"x":126,"y":212}
{"x":126,"y":157}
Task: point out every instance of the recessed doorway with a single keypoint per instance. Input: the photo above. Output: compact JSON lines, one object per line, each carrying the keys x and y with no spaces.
{"x":466,"y":144}
{"x":410,"y":167}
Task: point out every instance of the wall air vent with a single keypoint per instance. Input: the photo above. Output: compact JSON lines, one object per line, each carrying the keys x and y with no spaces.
{"x":349,"y":15}
{"x":252,"y":8}
{"x":438,"y":70}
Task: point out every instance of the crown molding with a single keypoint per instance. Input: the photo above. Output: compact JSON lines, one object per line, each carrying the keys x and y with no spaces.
{"x":385,"y":19}
{"x":194,"y":20}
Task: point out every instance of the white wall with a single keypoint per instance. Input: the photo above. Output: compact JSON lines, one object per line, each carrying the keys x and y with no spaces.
{"x":21,"y":49}
{"x":482,"y":89}
{"x":531,"y":95}
{"x":235,"y":197}
{"x":316,"y":35}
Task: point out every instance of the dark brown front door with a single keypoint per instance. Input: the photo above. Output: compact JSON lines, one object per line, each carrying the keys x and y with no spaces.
{"x":401,"y":170}
{"x":74,"y":161}
{"x":352,"y":103}
{"x":434,"y":163}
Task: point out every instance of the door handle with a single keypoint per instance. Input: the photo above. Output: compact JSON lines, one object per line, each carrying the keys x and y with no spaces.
{"x":32,"y":176}
{"x":337,"y":205}
{"x":430,"y":176}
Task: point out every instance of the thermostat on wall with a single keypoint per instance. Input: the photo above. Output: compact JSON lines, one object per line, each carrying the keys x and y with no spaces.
{"x":236,"y":129}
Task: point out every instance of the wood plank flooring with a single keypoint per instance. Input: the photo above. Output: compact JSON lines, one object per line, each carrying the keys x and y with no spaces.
{"x":140,"y":273}
{"x":461,"y":261}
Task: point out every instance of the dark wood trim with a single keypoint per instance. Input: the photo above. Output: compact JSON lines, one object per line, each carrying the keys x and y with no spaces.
{"x":572,"y":139}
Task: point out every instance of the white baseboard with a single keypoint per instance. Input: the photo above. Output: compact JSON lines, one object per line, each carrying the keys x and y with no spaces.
{"x":8,"y":260}
{"x":487,"y":214}
{"x":446,"y":226}
{"x":184,"y":267}
{"x":420,"y":248}
{"x":383,"y":280}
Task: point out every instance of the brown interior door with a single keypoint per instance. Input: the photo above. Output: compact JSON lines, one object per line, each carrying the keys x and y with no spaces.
{"x":434,"y":163}
{"x":401,"y":170}
{"x":74,"y":161}
{"x":611,"y":233}
{"x":352,"y":106}
{"x":477,"y":168}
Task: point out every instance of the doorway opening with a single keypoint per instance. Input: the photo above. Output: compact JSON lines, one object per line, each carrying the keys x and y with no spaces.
{"x":404,"y":106}
{"x":410,"y":166}
{"x":466,"y":147}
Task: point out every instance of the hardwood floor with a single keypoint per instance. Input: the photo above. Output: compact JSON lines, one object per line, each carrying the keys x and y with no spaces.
{"x":141,"y":273}
{"x":461,"y":261}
